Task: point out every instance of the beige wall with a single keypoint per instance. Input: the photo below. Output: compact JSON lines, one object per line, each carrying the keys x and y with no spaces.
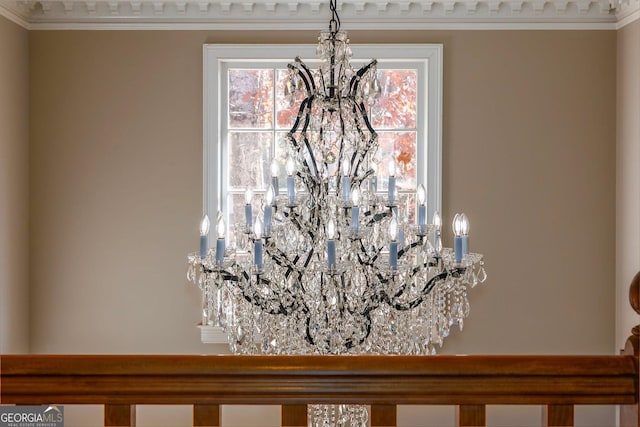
{"x":627,"y":176}
{"x":115,"y":171}
{"x":529,"y":155}
{"x":14,"y":179}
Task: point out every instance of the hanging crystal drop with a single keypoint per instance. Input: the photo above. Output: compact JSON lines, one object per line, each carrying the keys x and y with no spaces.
{"x":482,"y":276}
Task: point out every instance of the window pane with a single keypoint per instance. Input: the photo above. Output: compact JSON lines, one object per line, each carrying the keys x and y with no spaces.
{"x":400,"y":146}
{"x":249,"y":159}
{"x":251,"y":98}
{"x":396,"y":107}
{"x":286,"y":111}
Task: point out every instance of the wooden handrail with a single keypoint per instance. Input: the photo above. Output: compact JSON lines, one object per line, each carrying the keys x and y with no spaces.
{"x":455,"y":380}
{"x":471,"y":382}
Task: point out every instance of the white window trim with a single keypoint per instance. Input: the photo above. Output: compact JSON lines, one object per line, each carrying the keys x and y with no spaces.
{"x":214,"y":55}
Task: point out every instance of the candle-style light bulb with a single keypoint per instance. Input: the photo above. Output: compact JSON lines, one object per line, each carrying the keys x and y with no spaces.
{"x":437,"y":220}
{"x":355,"y":210}
{"x":275,"y":170}
{"x":248,"y":213}
{"x":204,"y":225}
{"x":204,"y":231}
{"x":346,"y":167}
{"x":464,"y":231}
{"x":422,"y":194}
{"x":393,"y":244}
{"x":355,"y":197}
{"x":248,"y":196}
{"x":391,"y":193}
{"x":268,"y":210}
{"x":346,"y":180}
{"x":270,"y":196}
{"x":220,"y":243}
{"x":457,"y":232}
{"x":464,"y":225}
{"x":422,"y":209}
{"x":331,"y":244}
{"x":456,"y":226}
{"x":393,"y":229}
{"x":258,"y":228}
{"x":220,"y":227}
{"x":257,"y":245}
{"x":437,"y":225}
{"x":291,"y":185}
{"x":290,"y":166}
{"x":331,"y":230}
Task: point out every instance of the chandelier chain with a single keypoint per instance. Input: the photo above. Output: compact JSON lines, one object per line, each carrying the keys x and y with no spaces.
{"x":334,"y":23}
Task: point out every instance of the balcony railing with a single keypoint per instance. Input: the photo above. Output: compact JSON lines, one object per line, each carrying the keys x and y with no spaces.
{"x":119,"y":382}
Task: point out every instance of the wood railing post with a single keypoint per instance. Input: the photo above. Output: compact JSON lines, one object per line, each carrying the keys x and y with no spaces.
{"x":630,"y":414}
{"x":119,"y":415}
{"x":294,"y":415}
{"x":206,"y":416}
{"x":384,"y":416}
{"x":472,"y":416}
{"x":558,"y":416}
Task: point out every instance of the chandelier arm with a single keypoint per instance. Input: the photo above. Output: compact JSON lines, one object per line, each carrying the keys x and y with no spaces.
{"x":383,"y":297}
{"x":279,"y":260}
{"x":425,"y":291}
{"x":306,"y":144}
{"x":418,"y":268}
{"x":225,"y":275}
{"x":262,"y":302}
{"x":405,"y":283}
{"x":376,"y":217}
{"x":305,"y":265}
{"x":294,"y":128}
{"x":359,"y":179}
{"x":324,"y":297}
{"x":362,"y":109}
{"x":454,"y":272}
{"x":305,"y":106}
{"x":370,"y":304}
{"x":311,"y":156}
{"x":308,"y":79}
{"x":308,"y":336}
{"x":282,"y":309}
{"x":304,"y":73}
{"x":292,"y":216}
{"x":253,"y":298}
{"x":372,"y":259}
{"x":407,"y":248}
{"x":355,"y":80}
{"x":360,"y":154}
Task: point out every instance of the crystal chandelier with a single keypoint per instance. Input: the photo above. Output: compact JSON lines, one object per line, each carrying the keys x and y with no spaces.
{"x":331,"y":265}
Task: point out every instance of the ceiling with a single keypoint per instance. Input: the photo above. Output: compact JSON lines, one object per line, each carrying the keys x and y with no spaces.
{"x":314,"y":14}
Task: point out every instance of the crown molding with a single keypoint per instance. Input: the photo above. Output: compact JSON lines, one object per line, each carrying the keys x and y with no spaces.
{"x":312,"y":14}
{"x":627,"y":11}
{"x":14,"y":13}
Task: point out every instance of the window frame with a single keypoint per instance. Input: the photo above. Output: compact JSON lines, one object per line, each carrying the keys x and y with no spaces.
{"x":216,"y":59}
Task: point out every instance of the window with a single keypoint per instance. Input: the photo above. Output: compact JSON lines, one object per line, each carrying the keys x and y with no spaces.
{"x":246,"y":117}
